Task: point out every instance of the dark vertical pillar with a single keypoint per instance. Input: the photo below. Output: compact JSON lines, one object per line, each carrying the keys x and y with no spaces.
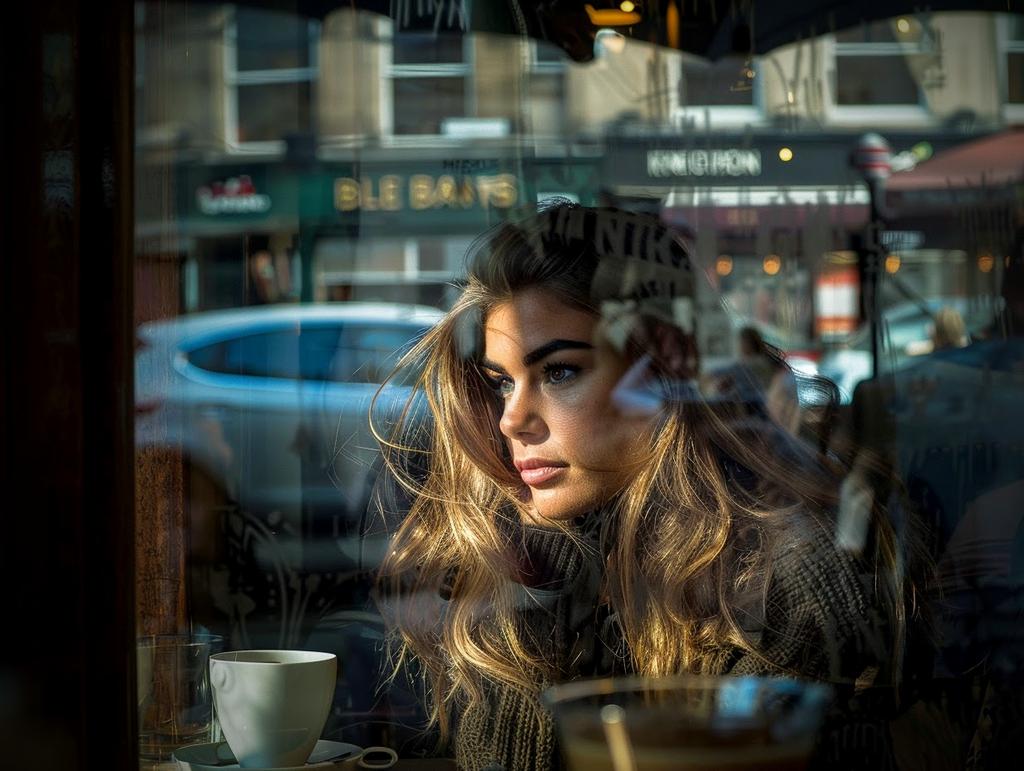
{"x":67,"y":693}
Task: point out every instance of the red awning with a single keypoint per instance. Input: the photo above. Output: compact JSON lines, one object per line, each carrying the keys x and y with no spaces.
{"x":993,"y":161}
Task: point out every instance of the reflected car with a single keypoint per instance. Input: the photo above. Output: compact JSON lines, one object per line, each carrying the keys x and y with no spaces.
{"x":269,"y":407}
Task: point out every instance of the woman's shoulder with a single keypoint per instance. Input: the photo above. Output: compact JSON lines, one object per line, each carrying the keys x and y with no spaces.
{"x":808,"y":566}
{"x":820,"y":618}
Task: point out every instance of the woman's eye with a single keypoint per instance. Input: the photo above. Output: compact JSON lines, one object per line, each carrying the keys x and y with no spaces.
{"x":560,"y":373}
{"x":502,"y":385}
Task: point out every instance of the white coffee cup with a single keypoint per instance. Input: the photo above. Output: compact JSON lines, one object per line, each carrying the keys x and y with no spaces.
{"x":272,"y":705}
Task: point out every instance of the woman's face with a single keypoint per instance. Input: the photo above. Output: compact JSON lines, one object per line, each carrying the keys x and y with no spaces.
{"x":573,"y":449}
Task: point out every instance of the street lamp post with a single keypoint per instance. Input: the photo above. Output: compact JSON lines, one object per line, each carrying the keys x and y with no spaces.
{"x":872,"y":157}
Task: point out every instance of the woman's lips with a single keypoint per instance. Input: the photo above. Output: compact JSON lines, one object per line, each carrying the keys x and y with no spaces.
{"x":535,"y":477}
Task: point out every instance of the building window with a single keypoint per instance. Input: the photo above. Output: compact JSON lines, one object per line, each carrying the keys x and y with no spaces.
{"x":546,"y":89}
{"x":723,"y":93}
{"x":728,"y":82}
{"x":429,"y":77}
{"x":270,"y":71}
{"x":1012,"y":43}
{"x":422,"y":104}
{"x":875,"y":63}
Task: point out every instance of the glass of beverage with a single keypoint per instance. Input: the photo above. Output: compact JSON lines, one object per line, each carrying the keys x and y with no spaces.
{"x":174,"y":697}
{"x":694,"y":723}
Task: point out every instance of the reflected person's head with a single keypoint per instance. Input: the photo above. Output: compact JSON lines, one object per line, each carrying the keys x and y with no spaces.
{"x":948,"y":329}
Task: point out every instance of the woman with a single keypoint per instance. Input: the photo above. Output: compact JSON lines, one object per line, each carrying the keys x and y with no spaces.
{"x":580,"y":510}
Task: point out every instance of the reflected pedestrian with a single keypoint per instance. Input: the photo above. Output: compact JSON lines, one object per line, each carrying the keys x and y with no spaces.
{"x":948,"y":329}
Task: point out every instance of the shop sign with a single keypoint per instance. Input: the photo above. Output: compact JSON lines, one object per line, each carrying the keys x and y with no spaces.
{"x":902,"y":240}
{"x":235,"y":195}
{"x":420,"y":192}
{"x":726,"y":162}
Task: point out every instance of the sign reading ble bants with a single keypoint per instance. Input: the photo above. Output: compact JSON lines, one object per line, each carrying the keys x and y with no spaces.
{"x":726,"y":162}
{"x":393,"y":192}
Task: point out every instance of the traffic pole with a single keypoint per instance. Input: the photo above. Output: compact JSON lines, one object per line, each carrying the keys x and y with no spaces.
{"x":872,"y":157}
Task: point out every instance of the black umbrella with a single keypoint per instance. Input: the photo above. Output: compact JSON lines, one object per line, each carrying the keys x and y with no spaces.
{"x":707,"y":28}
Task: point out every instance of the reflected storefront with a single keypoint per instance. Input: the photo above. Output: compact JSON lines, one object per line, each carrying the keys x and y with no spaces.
{"x":387,"y":230}
{"x":775,"y":217}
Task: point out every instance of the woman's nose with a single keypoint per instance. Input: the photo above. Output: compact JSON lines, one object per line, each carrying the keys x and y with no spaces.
{"x":520,"y":418}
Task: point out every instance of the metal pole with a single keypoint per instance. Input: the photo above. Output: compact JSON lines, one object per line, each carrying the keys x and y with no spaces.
{"x":872,"y":157}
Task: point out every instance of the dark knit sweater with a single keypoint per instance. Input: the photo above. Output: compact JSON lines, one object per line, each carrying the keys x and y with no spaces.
{"x":816,"y":623}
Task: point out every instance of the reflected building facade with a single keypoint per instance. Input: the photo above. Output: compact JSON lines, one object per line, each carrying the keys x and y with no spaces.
{"x":356,"y":156}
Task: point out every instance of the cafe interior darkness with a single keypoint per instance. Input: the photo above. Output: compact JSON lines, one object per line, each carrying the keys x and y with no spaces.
{"x":221,"y":215}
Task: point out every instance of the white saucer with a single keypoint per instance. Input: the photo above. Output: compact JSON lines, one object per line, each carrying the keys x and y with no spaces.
{"x":211,"y":757}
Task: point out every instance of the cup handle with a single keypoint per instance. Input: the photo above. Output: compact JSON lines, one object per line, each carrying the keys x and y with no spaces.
{"x":391,"y":758}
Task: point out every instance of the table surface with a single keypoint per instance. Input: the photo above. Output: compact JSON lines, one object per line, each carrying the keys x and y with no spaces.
{"x":429,"y":764}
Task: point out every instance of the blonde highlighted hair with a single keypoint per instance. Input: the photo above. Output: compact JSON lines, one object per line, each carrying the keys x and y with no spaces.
{"x":709,"y":501}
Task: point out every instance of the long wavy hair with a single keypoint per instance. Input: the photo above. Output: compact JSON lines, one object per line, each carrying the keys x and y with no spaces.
{"x":713,"y":495}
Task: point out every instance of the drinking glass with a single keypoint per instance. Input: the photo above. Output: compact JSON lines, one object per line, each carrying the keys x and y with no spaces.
{"x":693,"y":723}
{"x":174,"y":697}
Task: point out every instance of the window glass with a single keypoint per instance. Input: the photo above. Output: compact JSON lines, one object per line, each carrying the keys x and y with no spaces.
{"x":369,"y":354}
{"x":271,"y":111}
{"x":874,"y":80}
{"x":427,"y":48}
{"x":1013,"y":45}
{"x":887,"y":62}
{"x":359,"y":354}
{"x":423,"y":104}
{"x":1015,"y":78}
{"x":291,"y":355}
{"x":728,"y":82}
{"x":271,"y":62}
{"x":268,"y":355}
{"x":313,"y":184}
{"x":271,"y":40}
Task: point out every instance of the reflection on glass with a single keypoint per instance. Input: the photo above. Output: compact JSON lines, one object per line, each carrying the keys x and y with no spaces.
{"x":874,"y":80}
{"x":1015,"y":78}
{"x":272,"y":111}
{"x":427,"y":48}
{"x":423,"y":104}
{"x":271,"y":40}
{"x":688,"y":724}
{"x":729,"y":82}
{"x":308,"y":188}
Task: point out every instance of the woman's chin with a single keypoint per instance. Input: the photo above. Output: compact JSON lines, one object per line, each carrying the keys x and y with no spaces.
{"x":545,"y":506}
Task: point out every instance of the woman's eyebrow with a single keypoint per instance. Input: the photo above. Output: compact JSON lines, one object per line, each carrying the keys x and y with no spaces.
{"x":539,"y":353}
{"x":549,"y":348}
{"x":487,"y":364}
